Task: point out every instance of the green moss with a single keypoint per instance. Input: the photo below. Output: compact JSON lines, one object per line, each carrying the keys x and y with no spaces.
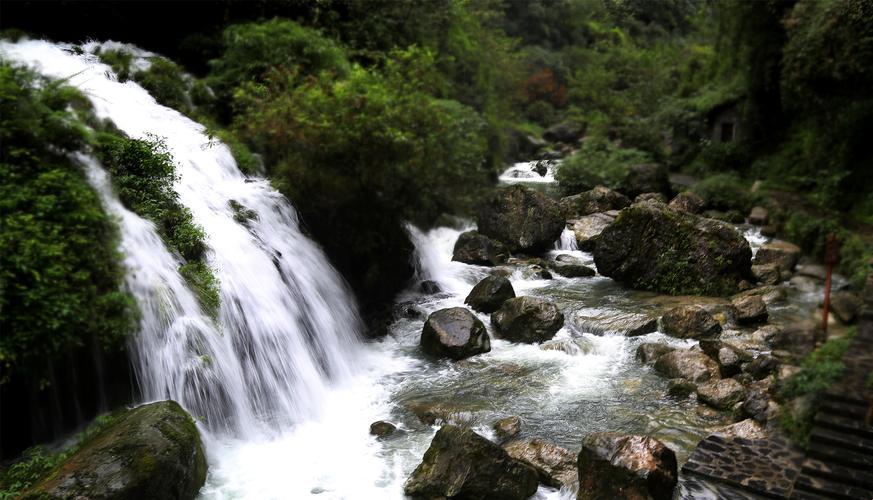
{"x":119,"y":60}
{"x":202,"y":280}
{"x":242,"y":214}
{"x":166,"y":82}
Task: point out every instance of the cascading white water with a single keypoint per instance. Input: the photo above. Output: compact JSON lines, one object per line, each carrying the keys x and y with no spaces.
{"x":287,"y":323}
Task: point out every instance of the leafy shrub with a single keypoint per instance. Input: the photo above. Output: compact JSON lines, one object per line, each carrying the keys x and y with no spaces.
{"x":60,"y":273}
{"x":166,"y":82}
{"x":597,"y":163}
{"x":724,"y":192}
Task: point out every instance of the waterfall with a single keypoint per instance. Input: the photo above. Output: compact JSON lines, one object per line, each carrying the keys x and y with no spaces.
{"x":287,"y":326}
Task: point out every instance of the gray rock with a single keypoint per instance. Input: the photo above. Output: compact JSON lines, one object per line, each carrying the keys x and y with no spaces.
{"x":694,"y":366}
{"x":478,"y":249}
{"x":746,"y":429}
{"x":489,"y":294}
{"x":588,"y":228}
{"x":689,"y":321}
{"x":680,"y":388}
{"x":599,"y":199}
{"x":649,"y":352}
{"x":382,"y":429}
{"x":749,"y":309}
{"x":688,"y":201}
{"x":781,"y":253}
{"x":721,"y":394}
{"x":527,"y":319}
{"x":614,"y":465}
{"x":454,"y":333}
{"x":767,"y":274}
{"x":556,"y":466}
{"x":573,"y":270}
{"x":522,"y":219}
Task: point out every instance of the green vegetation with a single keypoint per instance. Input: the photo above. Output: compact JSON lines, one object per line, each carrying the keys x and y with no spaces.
{"x":60,"y":273}
{"x":598,"y":162}
{"x":724,"y":192}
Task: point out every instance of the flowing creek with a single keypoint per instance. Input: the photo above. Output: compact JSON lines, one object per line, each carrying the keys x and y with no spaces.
{"x":282,"y":385}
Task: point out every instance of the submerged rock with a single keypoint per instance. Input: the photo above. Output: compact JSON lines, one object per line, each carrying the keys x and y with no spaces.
{"x":749,"y":309}
{"x":688,"y":364}
{"x":478,"y":249}
{"x":614,"y":465}
{"x":522,"y":219}
{"x":556,"y":466}
{"x":781,"y":253}
{"x":527,"y":319}
{"x":463,"y":464}
{"x":489,"y":294}
{"x":454,"y":333}
{"x":691,"y":321}
{"x":153,"y":451}
{"x":507,"y":428}
{"x":653,"y":247}
{"x":599,"y":199}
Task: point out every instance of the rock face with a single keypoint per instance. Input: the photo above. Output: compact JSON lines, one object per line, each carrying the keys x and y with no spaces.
{"x":508,"y":427}
{"x":750,"y":309}
{"x":527,"y":319}
{"x":620,"y":466}
{"x":691,"y":321}
{"x":653,"y":247}
{"x":688,"y":364}
{"x":722,"y":394}
{"x":647,"y":178}
{"x":588,"y":228}
{"x":556,"y":466}
{"x":522,"y":219}
{"x":781,"y":253}
{"x":488,"y":295}
{"x":688,"y":201}
{"x":478,"y":249}
{"x":599,"y":199}
{"x":463,"y":464}
{"x":153,"y":451}
{"x":454,"y":333}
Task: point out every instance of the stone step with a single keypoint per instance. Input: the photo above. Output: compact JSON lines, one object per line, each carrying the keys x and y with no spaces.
{"x":843,"y":424}
{"x":805,"y":495}
{"x":844,"y":409}
{"x":830,"y":489}
{"x":838,"y":473}
{"x":845,"y":398}
{"x":830,"y":454}
{"x":844,"y":440}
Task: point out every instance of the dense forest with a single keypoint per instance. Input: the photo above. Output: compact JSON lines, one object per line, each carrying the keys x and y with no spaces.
{"x":370,"y":115}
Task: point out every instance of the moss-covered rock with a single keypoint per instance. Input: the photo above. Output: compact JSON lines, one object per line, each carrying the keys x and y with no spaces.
{"x":614,"y":465}
{"x":463,"y":464}
{"x":150,"y":452}
{"x":522,"y":219}
{"x":652,"y":247}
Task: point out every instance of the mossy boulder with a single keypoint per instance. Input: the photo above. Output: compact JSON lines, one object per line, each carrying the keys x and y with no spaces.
{"x":151,"y":452}
{"x":463,"y":464}
{"x":653,"y":247}
{"x":527,"y":319}
{"x":478,"y":249}
{"x":599,"y":199}
{"x":522,"y":219}
{"x":490,"y":293}
{"x":613,"y":465}
{"x":454,"y":333}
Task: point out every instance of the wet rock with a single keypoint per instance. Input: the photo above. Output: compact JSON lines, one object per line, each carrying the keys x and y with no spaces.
{"x":556,"y":466}
{"x":507,"y":428}
{"x":647,"y":178}
{"x":688,"y":364}
{"x":574,"y":347}
{"x":730,"y":359}
{"x":522,"y":219}
{"x":382,"y":429}
{"x":489,"y":294}
{"x":688,"y":201}
{"x":816,"y":271}
{"x":613,"y":465}
{"x":153,"y":451}
{"x":628,"y":324}
{"x":759,"y":216}
{"x":454,"y":333}
{"x":649,"y":352}
{"x":690,"y":321}
{"x":746,"y":429}
{"x":653,"y":247}
{"x":430,"y":287}
{"x":541,"y":167}
{"x":567,"y":133}
{"x":756,"y":405}
{"x":680,"y":388}
{"x":762,"y":366}
{"x":527,"y":319}
{"x":721,"y":394}
{"x":749,"y":309}
{"x":588,"y":228}
{"x":846,"y":306}
{"x":599,"y":199}
{"x":538,"y":273}
{"x":463,"y":464}
{"x":767,"y":274}
{"x":573,"y":270}
{"x":568,"y":259}
{"x":478,"y":249}
{"x":769,"y":293}
{"x":781,"y":253}
{"x":659,"y":197}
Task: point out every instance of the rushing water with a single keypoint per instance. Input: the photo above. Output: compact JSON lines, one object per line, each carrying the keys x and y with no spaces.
{"x":279,"y":381}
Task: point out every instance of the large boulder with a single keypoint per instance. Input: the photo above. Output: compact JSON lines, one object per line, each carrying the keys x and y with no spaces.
{"x":454,"y":333}
{"x":653,"y":247}
{"x":153,"y":451}
{"x":588,"y":228}
{"x":646,"y":178}
{"x":689,"y":321}
{"x":599,"y":199}
{"x":489,"y":294}
{"x":614,"y":465}
{"x":556,"y":466}
{"x":522,"y":219}
{"x":749,"y":309}
{"x":781,"y":253}
{"x":463,"y":464}
{"x":721,"y":394}
{"x":478,"y":249}
{"x":527,"y":319}
{"x":688,"y":364}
